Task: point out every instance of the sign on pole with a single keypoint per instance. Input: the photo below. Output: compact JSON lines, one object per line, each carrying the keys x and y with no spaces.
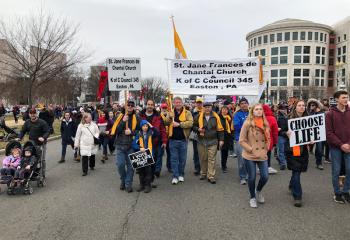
{"x":307,"y":129}
{"x":211,"y":77}
{"x":124,"y":74}
{"x":141,"y":159}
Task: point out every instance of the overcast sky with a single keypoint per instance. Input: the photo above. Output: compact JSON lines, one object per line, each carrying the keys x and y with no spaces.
{"x":208,"y":29}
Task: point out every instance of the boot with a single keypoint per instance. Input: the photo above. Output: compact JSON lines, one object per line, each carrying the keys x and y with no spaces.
{"x":148,"y":189}
{"x":141,"y":188}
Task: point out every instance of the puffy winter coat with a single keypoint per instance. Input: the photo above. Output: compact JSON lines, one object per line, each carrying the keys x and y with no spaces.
{"x":11,"y":162}
{"x":273,"y":126}
{"x":84,"y":139}
{"x":300,"y":163}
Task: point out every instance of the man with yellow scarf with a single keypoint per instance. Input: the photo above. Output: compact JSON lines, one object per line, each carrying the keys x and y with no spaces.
{"x":124,"y":129}
{"x":210,"y":135}
{"x":179,"y":131}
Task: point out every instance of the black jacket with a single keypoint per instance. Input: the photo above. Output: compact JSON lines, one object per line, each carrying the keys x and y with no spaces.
{"x":123,"y":141}
{"x":35,"y":129}
{"x":228,"y":137}
{"x":68,"y":130}
{"x":299,"y":164}
{"x":282,"y":121}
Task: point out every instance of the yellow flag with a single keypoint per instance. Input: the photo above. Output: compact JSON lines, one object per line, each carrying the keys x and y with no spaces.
{"x":261,"y":75}
{"x":180,"y":52}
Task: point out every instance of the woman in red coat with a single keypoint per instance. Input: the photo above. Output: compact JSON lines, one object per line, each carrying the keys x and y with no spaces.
{"x":273,"y":134}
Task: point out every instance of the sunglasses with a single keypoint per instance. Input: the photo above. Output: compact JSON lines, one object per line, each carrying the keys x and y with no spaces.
{"x":131,"y":105}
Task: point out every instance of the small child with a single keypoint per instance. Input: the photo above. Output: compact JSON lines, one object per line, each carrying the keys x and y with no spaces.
{"x":27,"y":163}
{"x":144,"y":140}
{"x":11,"y":162}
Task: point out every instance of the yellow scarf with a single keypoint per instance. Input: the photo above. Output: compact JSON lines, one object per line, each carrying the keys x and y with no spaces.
{"x":166,"y":127}
{"x":117,"y":121}
{"x":182,"y":118}
{"x":142,"y":144}
{"x":219,"y":126}
{"x":229,"y":124}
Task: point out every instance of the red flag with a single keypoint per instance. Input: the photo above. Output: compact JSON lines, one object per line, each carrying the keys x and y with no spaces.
{"x":102,"y":83}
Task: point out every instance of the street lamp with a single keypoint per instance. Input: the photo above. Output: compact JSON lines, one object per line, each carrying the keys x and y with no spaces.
{"x":340,"y":80}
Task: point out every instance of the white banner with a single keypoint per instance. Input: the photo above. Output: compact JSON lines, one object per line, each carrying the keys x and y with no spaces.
{"x":209,"y":98}
{"x":307,"y":129}
{"x":211,"y":77}
{"x":124,"y":74}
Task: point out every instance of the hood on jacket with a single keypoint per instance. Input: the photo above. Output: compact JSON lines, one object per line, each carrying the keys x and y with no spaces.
{"x":267,"y":110}
{"x":143,"y":122}
{"x":313,"y":100}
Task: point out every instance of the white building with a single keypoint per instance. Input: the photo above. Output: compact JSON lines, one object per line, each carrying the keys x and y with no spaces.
{"x":296,"y":54}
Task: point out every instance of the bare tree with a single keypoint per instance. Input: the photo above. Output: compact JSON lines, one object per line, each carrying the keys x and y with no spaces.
{"x":154,"y":88}
{"x":40,"y":49}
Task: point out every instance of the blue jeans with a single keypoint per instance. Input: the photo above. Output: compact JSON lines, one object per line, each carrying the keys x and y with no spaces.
{"x":197,"y":166}
{"x":264,"y":175}
{"x":337,"y":155}
{"x":125,"y":169}
{"x":319,"y":152}
{"x":281,"y":153}
{"x":178,"y":155}
{"x":64,"y":149}
{"x":242,"y":170}
{"x":159,"y":158}
{"x":295,"y":185}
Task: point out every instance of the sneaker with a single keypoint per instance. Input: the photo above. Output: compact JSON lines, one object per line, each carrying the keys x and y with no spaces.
{"x":84,"y":174}
{"x":61,"y":161}
{"x":253,"y":203}
{"x":346,"y":197}
{"x":212,"y":181}
{"x":181,"y":179}
{"x":122,"y":186}
{"x":224,"y":170}
{"x":259,"y":197}
{"x":174,"y":181}
{"x":327,"y":161}
{"x":283,"y":167}
{"x":196,"y":173}
{"x":272,"y":170}
{"x":319,"y":167}
{"x":338,"y":198}
{"x":297,"y":203}
{"x":243,"y":182}
{"x":202,"y":177}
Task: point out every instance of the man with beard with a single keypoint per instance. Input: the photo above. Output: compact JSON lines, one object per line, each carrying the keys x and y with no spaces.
{"x":155,"y":119}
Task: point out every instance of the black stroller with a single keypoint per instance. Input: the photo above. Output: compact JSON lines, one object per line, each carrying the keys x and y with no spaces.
{"x":6,"y":179}
{"x":35,"y":174}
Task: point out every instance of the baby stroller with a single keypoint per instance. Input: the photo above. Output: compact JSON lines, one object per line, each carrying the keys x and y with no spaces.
{"x":35,"y":173}
{"x":6,"y":179}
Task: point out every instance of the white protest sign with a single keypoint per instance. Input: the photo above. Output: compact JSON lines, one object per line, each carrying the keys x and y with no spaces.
{"x":209,"y":98}
{"x":307,"y":129}
{"x":124,"y":74}
{"x":211,"y":77}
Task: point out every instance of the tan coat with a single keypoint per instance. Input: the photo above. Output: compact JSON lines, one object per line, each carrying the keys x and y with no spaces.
{"x":253,"y":142}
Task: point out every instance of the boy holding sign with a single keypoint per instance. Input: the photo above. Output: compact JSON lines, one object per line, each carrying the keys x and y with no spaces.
{"x":142,"y":141}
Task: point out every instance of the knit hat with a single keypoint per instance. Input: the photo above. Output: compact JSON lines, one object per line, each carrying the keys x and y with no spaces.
{"x":143,"y":122}
{"x":163,"y":105}
{"x":243,"y":99}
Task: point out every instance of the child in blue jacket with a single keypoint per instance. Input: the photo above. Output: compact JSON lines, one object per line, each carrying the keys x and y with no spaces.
{"x":143,"y":140}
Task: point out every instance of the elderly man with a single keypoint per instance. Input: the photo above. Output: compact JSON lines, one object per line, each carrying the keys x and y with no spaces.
{"x":195,"y":113}
{"x":210,"y":132}
{"x":179,"y":131}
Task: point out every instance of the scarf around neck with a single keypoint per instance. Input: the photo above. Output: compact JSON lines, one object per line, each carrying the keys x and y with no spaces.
{"x":219,"y":126}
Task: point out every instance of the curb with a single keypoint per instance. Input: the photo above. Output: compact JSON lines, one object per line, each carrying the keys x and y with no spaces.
{"x":2,"y":151}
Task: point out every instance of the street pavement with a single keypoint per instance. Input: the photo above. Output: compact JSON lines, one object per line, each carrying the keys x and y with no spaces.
{"x":92,"y":207}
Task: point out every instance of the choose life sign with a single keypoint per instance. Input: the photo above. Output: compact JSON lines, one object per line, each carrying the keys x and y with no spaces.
{"x":307,"y":129}
{"x":211,"y":77}
{"x":124,"y":74}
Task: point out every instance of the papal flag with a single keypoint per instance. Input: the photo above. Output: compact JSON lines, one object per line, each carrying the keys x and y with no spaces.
{"x":180,"y":52}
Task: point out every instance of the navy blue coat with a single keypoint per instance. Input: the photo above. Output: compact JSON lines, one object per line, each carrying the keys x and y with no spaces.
{"x":68,"y":131}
